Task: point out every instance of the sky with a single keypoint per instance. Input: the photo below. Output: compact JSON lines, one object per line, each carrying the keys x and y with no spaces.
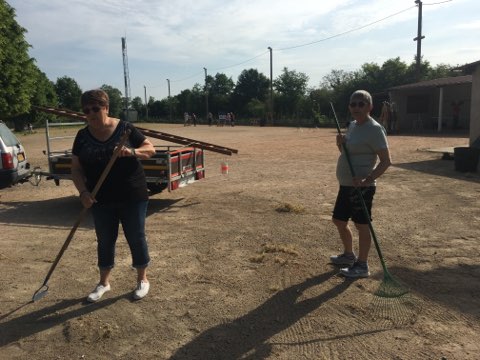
{"x":178,"y":40}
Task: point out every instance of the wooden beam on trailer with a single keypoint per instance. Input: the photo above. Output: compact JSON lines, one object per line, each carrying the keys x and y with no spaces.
{"x":147,"y":132}
{"x":186,"y":141}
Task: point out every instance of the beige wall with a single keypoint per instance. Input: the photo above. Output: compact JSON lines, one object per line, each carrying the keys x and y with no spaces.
{"x":475,"y":106}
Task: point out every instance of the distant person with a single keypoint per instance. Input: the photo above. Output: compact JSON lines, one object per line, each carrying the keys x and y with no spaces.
{"x":122,"y":198}
{"x":221,"y":119}
{"x":366,"y":141}
{"x":186,"y":119}
{"x":232,"y":119}
{"x":194,"y":119}
{"x":228,"y":119}
{"x":210,"y":119}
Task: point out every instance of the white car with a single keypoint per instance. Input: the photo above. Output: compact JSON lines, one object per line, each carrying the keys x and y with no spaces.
{"x":14,"y":167}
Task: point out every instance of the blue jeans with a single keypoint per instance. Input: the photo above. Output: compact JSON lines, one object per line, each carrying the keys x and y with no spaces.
{"x":107,"y":218}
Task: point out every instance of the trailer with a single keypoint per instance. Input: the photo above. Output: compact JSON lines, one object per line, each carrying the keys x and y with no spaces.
{"x":171,"y":167}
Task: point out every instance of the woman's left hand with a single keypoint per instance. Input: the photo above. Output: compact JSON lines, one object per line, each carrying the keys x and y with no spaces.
{"x":126,"y":151}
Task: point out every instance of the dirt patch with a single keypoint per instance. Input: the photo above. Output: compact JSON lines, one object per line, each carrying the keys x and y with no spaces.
{"x":240,"y":260}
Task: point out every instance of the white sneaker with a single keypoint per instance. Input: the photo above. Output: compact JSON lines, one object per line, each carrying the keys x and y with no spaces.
{"x":142,"y":290}
{"x":96,"y":294}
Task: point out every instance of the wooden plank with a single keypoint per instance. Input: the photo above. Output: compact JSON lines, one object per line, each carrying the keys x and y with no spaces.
{"x":186,"y":141}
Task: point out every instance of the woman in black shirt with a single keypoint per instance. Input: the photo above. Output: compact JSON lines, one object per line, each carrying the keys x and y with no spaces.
{"x":122,"y":198}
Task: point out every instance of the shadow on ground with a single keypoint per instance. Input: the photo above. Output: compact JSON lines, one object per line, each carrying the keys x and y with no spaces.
{"x":40,"y":320}
{"x":247,"y":337}
{"x":249,"y":334}
{"x":455,"y":287}
{"x":439,"y":167}
{"x":61,"y":212}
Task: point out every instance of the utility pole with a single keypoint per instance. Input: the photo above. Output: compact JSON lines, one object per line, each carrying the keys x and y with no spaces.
{"x":206,"y":94}
{"x":126,"y":76}
{"x":146,"y":104}
{"x":169,"y":101}
{"x":271,"y":84}
{"x":418,"y":39}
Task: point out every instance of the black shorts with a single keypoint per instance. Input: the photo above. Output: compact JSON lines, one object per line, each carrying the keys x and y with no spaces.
{"x":349,"y":205}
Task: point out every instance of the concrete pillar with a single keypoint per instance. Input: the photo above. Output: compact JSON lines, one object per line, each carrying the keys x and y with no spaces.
{"x":475,"y":106}
{"x":440,"y":110}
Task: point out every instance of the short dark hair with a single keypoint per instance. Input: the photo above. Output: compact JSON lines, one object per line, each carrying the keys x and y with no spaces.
{"x":96,"y":96}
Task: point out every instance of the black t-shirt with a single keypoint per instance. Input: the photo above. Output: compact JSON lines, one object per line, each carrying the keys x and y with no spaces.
{"x":126,"y":179}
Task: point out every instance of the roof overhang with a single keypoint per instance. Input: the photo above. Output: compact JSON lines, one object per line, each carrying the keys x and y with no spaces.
{"x":435,"y":83}
{"x":468,"y":68}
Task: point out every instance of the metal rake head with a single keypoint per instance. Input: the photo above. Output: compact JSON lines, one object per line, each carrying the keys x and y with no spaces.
{"x":40,"y":293}
{"x":390,"y":287}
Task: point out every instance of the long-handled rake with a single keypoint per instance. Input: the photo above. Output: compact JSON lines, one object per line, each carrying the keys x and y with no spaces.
{"x":42,"y":291}
{"x":390,"y":287}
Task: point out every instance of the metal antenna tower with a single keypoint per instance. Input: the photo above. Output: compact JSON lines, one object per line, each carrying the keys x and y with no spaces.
{"x":126,"y":75}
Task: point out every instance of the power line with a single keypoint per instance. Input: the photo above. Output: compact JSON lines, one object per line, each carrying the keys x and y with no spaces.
{"x":441,"y":2}
{"x":188,"y":77}
{"x":310,"y":43}
{"x":222,"y":68}
{"x":346,"y":32}
{"x":243,"y":62}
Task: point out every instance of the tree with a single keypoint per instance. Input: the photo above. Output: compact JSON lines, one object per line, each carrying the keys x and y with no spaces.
{"x":394,"y":73}
{"x":17,"y":68}
{"x":68,"y":93}
{"x":320,"y":105}
{"x":184,"y":101}
{"x":219,"y":89}
{"x":221,"y":85}
{"x":116,"y":101}
{"x":291,"y":86}
{"x":336,"y":79}
{"x":255,"y":108}
{"x":250,"y":85}
{"x":158,"y":108}
{"x":441,"y":71}
{"x":291,"y":83}
{"x":197,"y":99}
{"x":44,"y":90}
{"x":136,"y":103}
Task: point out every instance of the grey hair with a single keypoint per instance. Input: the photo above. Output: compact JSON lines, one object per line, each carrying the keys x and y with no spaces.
{"x":362,"y":95}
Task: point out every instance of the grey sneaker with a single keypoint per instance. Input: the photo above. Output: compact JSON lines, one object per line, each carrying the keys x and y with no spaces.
{"x":343,"y":259}
{"x":356,"y":271}
{"x":98,"y":292}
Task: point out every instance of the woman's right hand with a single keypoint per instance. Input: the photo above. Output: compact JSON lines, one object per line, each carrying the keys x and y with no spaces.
{"x":87,"y":199}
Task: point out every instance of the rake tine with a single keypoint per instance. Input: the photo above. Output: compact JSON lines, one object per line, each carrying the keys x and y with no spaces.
{"x":40,"y":293}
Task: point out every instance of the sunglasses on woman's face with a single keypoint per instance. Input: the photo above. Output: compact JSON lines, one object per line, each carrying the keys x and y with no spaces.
{"x":95,"y":109}
{"x":360,"y":104}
